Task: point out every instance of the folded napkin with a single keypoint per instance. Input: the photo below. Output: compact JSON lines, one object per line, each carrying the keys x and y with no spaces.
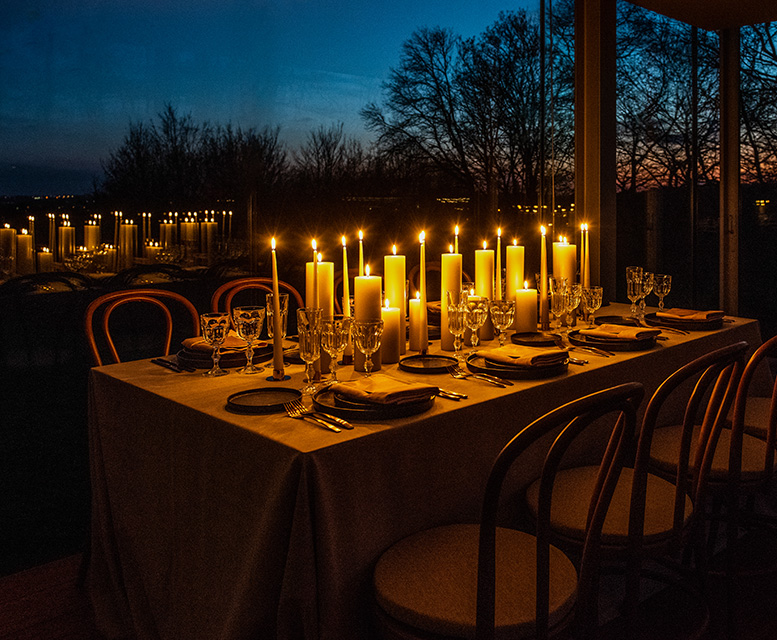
{"x":382,"y":389}
{"x":620,"y":332}
{"x":233,"y":342}
{"x":520,"y":356}
{"x":690,"y":314}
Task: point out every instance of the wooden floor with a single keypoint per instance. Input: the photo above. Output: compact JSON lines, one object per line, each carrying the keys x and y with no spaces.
{"x":46,"y":603}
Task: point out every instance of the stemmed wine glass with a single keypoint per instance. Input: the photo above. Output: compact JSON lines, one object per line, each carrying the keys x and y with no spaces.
{"x":366,"y":336}
{"x":634,"y":287}
{"x":476,"y":312}
{"x":662,"y":285}
{"x":309,"y":333}
{"x":573,"y":298}
{"x":558,"y":298}
{"x":457,"y":314}
{"x":215,"y":327}
{"x":248,"y":323}
{"x":283,"y":300}
{"x":592,"y":300}
{"x":645,"y":289}
{"x":502,"y":315}
{"x":334,"y":339}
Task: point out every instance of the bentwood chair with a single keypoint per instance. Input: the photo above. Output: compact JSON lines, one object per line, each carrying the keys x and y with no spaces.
{"x":654,"y":517}
{"x":230,"y":289}
{"x":143,"y":327}
{"x":485,"y":581}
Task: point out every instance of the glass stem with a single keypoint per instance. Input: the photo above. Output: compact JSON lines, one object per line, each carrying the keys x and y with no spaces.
{"x":216,"y":357}
{"x":333,"y":367}
{"x":367,"y":364}
{"x":250,"y":356}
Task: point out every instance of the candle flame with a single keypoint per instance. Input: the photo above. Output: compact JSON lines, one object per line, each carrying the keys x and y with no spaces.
{"x":272,"y":243}
{"x":525,"y":284}
{"x":394,"y":249}
{"x":499,"y":232}
{"x":472,"y":291}
{"x":515,"y":242}
{"x":387,"y":305}
{"x":542,"y":229}
{"x":343,"y":242}
{"x":561,"y":238}
{"x":24,"y":232}
{"x":422,"y":237}
{"x":417,"y":295}
{"x":450,"y":248}
{"x":361,"y":235}
{"x":314,"y":244}
{"x":366,"y":270}
{"x":319,"y":257}
{"x":457,"y":230}
{"x":485,"y":244}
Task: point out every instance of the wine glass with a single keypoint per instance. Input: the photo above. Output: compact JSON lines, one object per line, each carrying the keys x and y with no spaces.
{"x":215,"y":327}
{"x":309,"y":334}
{"x":574,"y":296}
{"x":283,"y":300}
{"x":248,"y":323}
{"x":662,"y":285}
{"x":558,"y":297}
{"x":592,"y":300}
{"x":502,"y":315}
{"x":334,"y":339}
{"x":476,"y":312}
{"x":645,"y":289}
{"x":633,"y":287}
{"x":366,"y":336}
{"x":457,"y":314}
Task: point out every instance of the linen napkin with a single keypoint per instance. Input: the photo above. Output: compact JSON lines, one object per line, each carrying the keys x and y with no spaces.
{"x":690,"y":314}
{"x":520,"y":356}
{"x":382,"y":389}
{"x":619,"y":332}
{"x":232,"y":342}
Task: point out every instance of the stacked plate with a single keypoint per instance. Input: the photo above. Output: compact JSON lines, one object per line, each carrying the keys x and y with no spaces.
{"x":482,"y":364}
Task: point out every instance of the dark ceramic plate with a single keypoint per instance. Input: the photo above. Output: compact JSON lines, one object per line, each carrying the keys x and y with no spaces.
{"x":534,"y":339}
{"x":581,"y":340}
{"x":262,"y":400}
{"x":328,"y":401}
{"x":688,"y":325}
{"x":478,"y":364}
{"x":229,"y":359}
{"x":426,"y":364}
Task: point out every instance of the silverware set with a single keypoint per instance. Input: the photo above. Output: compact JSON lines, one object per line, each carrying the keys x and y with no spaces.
{"x":295,"y":409}
{"x":457,"y":372}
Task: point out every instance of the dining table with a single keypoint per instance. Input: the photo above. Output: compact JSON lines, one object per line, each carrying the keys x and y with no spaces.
{"x":207,"y":523}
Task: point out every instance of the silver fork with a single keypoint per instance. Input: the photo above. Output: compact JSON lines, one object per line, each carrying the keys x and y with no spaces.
{"x":324,"y":416}
{"x":456,"y":372}
{"x":294,"y":412}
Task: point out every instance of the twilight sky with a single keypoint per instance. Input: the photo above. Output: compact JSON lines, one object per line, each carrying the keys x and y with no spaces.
{"x":75,"y":73}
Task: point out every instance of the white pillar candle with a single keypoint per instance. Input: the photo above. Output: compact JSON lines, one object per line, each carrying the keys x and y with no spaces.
{"x":366,"y":307}
{"x":167,"y":234}
{"x":565,"y":260}
{"x":450,"y":281}
{"x":25,"y":254}
{"x":525,"y":309}
{"x":324,"y":275}
{"x":45,"y":260}
{"x":208,"y":231}
{"x":515,"y":266}
{"x":152,"y":250}
{"x":8,"y":246}
{"x":543,"y":283}
{"x":277,"y":340}
{"x":91,"y":236}
{"x":422,"y":287}
{"x":395,"y":275}
{"x":109,"y":260}
{"x":392,"y":337}
{"x":415,"y":323}
{"x":66,"y":238}
{"x":498,"y":278}
{"x":484,"y":285}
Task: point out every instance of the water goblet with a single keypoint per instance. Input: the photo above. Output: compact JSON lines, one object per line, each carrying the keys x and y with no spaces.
{"x":645,"y":289}
{"x":502,"y":315}
{"x":215,"y":327}
{"x":366,"y":337}
{"x":574,"y":296}
{"x":592,"y":300}
{"x":309,"y":334}
{"x":283,"y":300}
{"x":457,"y":314}
{"x":558,"y":297}
{"x":334,"y":339}
{"x":248,"y":323}
{"x":633,"y":287}
{"x":476,"y":312}
{"x":662,"y":285}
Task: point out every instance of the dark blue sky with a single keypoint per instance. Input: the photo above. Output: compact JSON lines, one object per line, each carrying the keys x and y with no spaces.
{"x":73,"y":74}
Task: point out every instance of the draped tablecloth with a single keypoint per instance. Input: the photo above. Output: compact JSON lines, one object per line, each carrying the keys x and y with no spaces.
{"x":208,"y":524}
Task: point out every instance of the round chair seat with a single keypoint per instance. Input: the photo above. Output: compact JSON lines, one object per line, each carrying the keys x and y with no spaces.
{"x":429,"y":581}
{"x":666,"y":445}
{"x":572,"y":489}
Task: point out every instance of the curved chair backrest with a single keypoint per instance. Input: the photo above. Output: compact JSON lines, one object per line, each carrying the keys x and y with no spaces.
{"x":570,"y":420}
{"x":717,"y":375}
{"x":104,"y":306}
{"x":767,"y":349}
{"x":229,"y":289}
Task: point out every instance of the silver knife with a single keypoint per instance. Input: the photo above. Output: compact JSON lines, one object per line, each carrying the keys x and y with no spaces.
{"x":327,"y":416}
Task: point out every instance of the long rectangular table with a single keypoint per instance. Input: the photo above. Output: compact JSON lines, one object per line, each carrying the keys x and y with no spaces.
{"x":209,"y":524}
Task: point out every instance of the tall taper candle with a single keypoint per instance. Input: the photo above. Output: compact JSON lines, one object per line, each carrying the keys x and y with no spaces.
{"x":498,"y":281}
{"x":586,"y":258}
{"x":422,"y":286}
{"x":277,"y":340}
{"x":515,"y":265}
{"x":456,"y":239}
{"x":361,"y":253}
{"x":348,"y":353}
{"x":543,"y":284}
{"x":314,"y":301}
